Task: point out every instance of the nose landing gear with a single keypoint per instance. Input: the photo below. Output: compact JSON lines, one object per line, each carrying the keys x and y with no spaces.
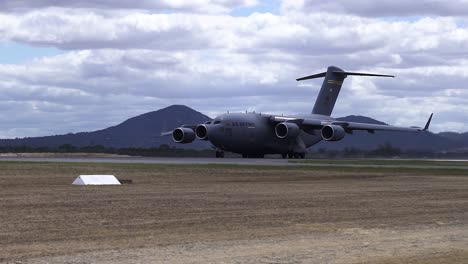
{"x":219,"y":154}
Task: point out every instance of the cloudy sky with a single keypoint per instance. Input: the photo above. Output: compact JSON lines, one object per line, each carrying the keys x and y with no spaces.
{"x":70,"y":66}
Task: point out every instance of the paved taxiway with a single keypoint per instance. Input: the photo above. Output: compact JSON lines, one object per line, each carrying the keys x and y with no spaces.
{"x":234,"y":161}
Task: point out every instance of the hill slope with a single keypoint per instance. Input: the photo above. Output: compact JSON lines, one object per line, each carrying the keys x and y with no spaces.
{"x":140,"y":131}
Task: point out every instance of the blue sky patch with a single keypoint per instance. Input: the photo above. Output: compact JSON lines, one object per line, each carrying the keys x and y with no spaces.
{"x":262,"y":7}
{"x":15,"y":53}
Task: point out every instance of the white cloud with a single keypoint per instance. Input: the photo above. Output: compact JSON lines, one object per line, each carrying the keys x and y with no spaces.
{"x":203,"y":6}
{"x":370,"y":8}
{"x":315,"y":34}
{"x":129,"y":62}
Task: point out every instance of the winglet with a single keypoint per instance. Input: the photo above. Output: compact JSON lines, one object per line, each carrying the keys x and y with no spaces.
{"x":428,"y":123}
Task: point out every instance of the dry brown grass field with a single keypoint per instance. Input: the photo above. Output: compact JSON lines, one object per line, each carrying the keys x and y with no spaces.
{"x":232,"y":214}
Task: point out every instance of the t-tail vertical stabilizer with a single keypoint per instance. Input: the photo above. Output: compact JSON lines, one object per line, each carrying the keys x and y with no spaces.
{"x":331,"y":87}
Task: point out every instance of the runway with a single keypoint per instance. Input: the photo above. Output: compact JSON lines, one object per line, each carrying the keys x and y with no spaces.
{"x":231,"y":161}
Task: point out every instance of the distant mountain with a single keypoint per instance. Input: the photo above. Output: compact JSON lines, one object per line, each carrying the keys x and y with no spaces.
{"x":140,"y":131}
{"x":144,"y":131}
{"x":459,"y":137}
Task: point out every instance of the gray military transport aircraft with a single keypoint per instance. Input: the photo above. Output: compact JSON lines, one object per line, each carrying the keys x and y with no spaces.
{"x":254,"y":134}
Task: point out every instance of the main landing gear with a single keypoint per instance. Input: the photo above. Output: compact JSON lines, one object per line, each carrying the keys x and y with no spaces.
{"x":293,"y":155}
{"x":253,"y":156}
{"x":219,"y":154}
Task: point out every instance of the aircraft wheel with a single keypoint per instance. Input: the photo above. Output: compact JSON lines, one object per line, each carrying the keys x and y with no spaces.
{"x":302,"y":155}
{"x":219,"y":154}
{"x":284,"y":156}
{"x":245,"y":156}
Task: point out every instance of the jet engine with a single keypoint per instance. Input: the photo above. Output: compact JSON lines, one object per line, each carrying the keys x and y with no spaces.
{"x":287,"y":130}
{"x":333,"y":133}
{"x":183,"y":135}
{"x":202,"y":132}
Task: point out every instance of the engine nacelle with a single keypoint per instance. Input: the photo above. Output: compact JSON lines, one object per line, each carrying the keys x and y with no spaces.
{"x":287,"y":130}
{"x":202,"y":131}
{"x":183,"y":135}
{"x":333,"y":133}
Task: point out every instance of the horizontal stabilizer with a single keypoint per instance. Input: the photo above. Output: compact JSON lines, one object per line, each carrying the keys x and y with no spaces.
{"x":363,"y":74}
{"x":322,"y":74}
{"x":318,"y":75}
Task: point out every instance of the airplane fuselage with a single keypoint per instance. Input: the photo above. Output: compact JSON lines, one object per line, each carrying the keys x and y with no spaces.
{"x":254,"y":134}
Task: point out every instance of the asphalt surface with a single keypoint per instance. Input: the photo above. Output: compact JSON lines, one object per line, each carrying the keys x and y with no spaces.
{"x":235,"y":161}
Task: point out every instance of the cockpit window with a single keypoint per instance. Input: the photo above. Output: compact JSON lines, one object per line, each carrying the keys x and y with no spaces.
{"x":217,"y":122}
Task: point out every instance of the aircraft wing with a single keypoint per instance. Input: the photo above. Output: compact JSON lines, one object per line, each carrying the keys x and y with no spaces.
{"x":312,"y":123}
{"x":350,"y":126}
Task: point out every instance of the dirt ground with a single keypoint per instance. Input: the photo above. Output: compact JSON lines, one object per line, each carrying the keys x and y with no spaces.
{"x":231,"y":214}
